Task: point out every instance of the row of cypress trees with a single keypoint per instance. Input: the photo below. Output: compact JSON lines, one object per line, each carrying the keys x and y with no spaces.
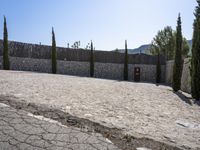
{"x":54,"y":58}
{"x":6,"y":62}
{"x":195,"y":60}
{"x":178,"y":65}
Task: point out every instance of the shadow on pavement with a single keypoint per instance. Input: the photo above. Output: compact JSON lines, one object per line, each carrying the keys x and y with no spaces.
{"x":187,"y":99}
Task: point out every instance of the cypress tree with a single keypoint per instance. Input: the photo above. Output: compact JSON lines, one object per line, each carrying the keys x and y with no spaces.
{"x":53,"y":53}
{"x":177,"y":69}
{"x":6,"y":63}
{"x":195,"y":61}
{"x":126,"y":62}
{"x":91,"y":61}
{"x":158,"y":69}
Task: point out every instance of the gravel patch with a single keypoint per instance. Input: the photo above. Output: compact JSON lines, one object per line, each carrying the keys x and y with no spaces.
{"x":138,"y":109}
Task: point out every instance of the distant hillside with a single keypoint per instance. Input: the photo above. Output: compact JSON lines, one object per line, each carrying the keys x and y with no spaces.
{"x":140,"y":49}
{"x":143,"y":48}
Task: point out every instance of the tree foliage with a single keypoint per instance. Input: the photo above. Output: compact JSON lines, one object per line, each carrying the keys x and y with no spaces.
{"x":195,"y":61}
{"x":53,"y":53}
{"x":76,"y":45}
{"x":6,"y":63}
{"x":126,"y":62}
{"x":91,"y":61}
{"x":178,"y":62}
{"x":164,"y":43}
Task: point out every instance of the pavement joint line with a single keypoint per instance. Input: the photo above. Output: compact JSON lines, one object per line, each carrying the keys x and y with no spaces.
{"x":113,"y":134}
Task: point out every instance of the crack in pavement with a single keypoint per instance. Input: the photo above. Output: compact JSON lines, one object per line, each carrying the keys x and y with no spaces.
{"x":22,"y":130}
{"x":61,"y":130}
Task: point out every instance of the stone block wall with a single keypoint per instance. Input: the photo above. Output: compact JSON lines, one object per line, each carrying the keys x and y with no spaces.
{"x":116,"y":71}
{"x":27,"y":64}
{"x":108,"y":64}
{"x":109,"y":71}
{"x":73,"y":68}
{"x":101,"y":70}
{"x":169,"y":72}
{"x":35,"y":51}
{"x":44,"y":65}
{"x":148,"y":72}
{"x":185,"y":79}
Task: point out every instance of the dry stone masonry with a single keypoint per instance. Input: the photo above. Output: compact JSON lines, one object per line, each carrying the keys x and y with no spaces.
{"x":185,"y":79}
{"x":108,"y":65}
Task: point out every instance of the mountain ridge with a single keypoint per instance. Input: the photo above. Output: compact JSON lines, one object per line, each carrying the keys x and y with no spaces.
{"x":143,"y":48}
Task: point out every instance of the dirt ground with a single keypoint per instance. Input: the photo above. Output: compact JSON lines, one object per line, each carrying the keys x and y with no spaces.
{"x":139,"y":109}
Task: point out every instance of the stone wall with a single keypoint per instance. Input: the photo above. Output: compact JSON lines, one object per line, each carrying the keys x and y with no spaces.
{"x":148,"y":72}
{"x":35,"y":51}
{"x":101,"y":70}
{"x":44,"y":65}
{"x":109,"y":71}
{"x":73,"y":68}
{"x":169,"y":72}
{"x":27,"y":64}
{"x":185,"y":79}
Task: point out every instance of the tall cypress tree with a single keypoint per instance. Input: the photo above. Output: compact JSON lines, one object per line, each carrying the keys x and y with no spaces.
{"x":195,"y":62}
{"x":177,"y":70}
{"x":6,"y":63}
{"x":53,"y":53}
{"x":158,"y":69}
{"x":126,"y":62}
{"x":91,"y":61}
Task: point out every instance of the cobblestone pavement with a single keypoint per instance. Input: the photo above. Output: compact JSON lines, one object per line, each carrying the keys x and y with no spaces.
{"x":22,"y":130}
{"x":138,"y":109}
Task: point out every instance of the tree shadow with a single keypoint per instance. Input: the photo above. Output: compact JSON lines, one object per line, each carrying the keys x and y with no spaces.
{"x":197,"y":102}
{"x":184,"y":98}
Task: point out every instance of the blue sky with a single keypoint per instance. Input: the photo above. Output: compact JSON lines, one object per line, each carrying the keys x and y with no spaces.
{"x":107,"y":22}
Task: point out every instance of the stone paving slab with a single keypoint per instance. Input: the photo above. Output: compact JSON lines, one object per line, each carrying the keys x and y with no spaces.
{"x":139,"y":109}
{"x":22,"y":130}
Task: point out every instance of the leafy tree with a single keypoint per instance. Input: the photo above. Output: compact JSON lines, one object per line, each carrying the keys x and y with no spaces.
{"x":6,"y":62}
{"x":53,"y":53}
{"x":165,"y":43}
{"x":195,"y":61}
{"x":177,"y":70}
{"x":91,"y":61}
{"x":76,"y":45}
{"x":126,"y":62}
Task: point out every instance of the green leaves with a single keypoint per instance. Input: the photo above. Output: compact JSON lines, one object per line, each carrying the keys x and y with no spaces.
{"x":165,"y":43}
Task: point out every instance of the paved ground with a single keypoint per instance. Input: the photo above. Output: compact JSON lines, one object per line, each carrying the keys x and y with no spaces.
{"x":22,"y":130}
{"x":139,"y":109}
